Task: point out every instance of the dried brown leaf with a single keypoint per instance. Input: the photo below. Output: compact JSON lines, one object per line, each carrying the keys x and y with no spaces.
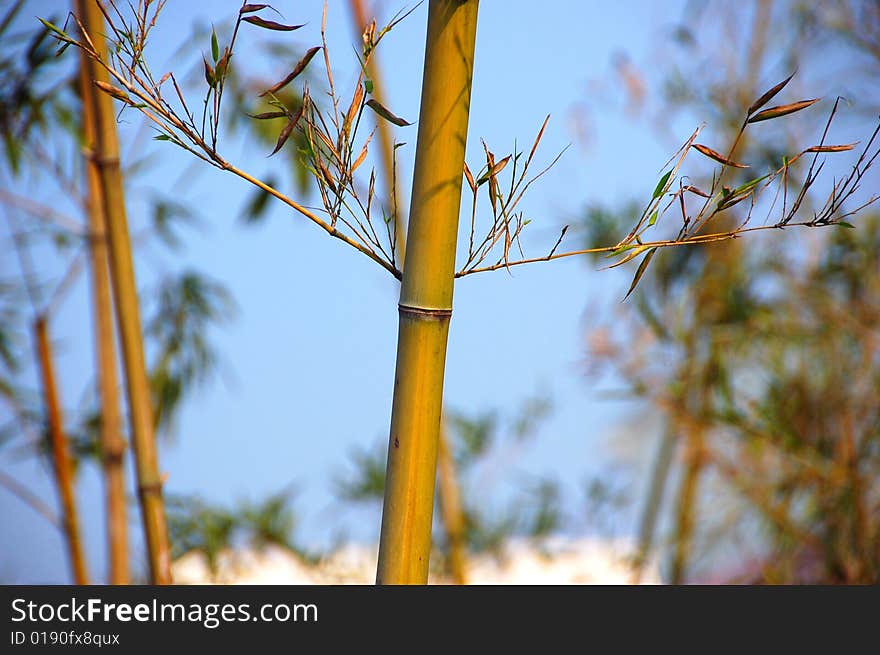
{"x":251,"y":8}
{"x":300,"y":66}
{"x":840,"y":148}
{"x":270,"y":25}
{"x":717,"y":156}
{"x":285,"y":133}
{"x":266,"y":115}
{"x":782,"y":110}
{"x":470,"y":178}
{"x":695,"y":190}
{"x":114,"y":91}
{"x":768,"y":95}
{"x":384,"y":113}
{"x":353,"y":109}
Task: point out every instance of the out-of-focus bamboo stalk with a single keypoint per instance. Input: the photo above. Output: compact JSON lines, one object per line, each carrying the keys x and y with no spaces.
{"x":106,"y":158}
{"x":451,"y":509}
{"x":112,"y":444}
{"x":653,"y":501}
{"x":386,"y":141}
{"x":60,"y":455}
{"x":426,"y":293}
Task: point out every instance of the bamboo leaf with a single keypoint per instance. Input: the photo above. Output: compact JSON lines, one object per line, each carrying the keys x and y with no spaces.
{"x":695,"y":190}
{"x":497,"y":168}
{"x":215,"y":47}
{"x":64,"y":36}
{"x":653,"y":218}
{"x":251,"y":8}
{"x":661,"y":185}
{"x":643,"y":266}
{"x":845,"y":224}
{"x":266,"y":115}
{"x":373,"y":104}
{"x":114,"y":91}
{"x":285,"y":133}
{"x":470,"y":178}
{"x":353,"y":109}
{"x":768,"y":95}
{"x":717,"y":156}
{"x":749,"y":185}
{"x":270,"y":25}
{"x":841,"y":148}
{"x":368,"y":85}
{"x":300,"y":66}
{"x":209,"y":74}
{"x":782,"y":110}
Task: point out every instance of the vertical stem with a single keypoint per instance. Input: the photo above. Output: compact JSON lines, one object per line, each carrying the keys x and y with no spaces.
{"x":112,"y":444}
{"x":106,"y":159}
{"x":426,"y":293}
{"x":686,"y":508}
{"x":386,"y":140}
{"x":60,"y":455}
{"x":653,"y":500}
{"x":451,"y":509}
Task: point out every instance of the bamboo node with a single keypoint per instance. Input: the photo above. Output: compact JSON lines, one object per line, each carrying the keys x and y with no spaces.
{"x":425,"y":312}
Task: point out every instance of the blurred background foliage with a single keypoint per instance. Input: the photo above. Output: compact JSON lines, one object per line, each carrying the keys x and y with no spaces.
{"x":760,"y":361}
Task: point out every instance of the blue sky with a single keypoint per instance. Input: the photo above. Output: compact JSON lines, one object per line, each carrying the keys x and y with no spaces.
{"x":307,"y":367}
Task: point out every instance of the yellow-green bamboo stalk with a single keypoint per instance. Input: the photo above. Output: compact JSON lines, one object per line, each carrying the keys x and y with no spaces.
{"x":112,"y":444}
{"x":447,"y":478}
{"x":426,"y":293}
{"x":60,"y":455}
{"x":106,"y":158}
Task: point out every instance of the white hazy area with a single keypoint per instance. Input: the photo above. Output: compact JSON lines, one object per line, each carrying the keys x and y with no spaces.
{"x":551,"y":561}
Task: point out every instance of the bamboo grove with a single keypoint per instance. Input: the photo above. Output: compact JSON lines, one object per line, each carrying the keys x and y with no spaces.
{"x":112,"y":42}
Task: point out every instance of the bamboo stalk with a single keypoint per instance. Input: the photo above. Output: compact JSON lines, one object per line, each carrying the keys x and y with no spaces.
{"x":653,"y":501}
{"x":106,"y":159}
{"x":426,"y":293}
{"x":112,"y":444}
{"x":60,"y":455}
{"x":447,"y":478}
{"x":451,"y":510}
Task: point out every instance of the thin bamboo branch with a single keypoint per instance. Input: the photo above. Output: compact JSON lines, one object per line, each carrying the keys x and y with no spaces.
{"x":32,"y":500}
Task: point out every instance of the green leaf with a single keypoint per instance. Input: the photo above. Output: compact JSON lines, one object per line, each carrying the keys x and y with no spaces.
{"x":215,"y":47}
{"x":653,"y":218}
{"x":661,"y":185}
{"x":161,"y":137}
{"x":845,"y":224}
{"x":640,"y":271}
{"x":64,"y":36}
{"x":368,"y":85}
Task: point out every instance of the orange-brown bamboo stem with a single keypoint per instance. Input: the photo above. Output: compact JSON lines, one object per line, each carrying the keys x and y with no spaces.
{"x":112,"y":444}
{"x":125,"y":295}
{"x":60,"y":455}
{"x":361,"y":19}
{"x":452,"y":512}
